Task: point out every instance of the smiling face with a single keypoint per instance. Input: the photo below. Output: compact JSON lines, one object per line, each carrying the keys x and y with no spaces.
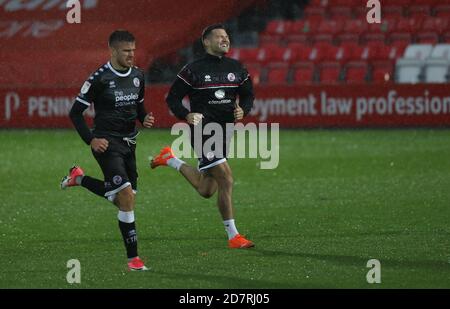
{"x":122,"y":54}
{"x":217,"y":43}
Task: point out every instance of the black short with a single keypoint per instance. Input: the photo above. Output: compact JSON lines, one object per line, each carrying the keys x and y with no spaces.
{"x":211,"y":148}
{"x":118,"y":164}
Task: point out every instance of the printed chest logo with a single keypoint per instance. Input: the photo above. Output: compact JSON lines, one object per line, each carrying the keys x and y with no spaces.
{"x":220,"y":94}
{"x":231,"y":77}
{"x":117,"y":180}
{"x":85,"y":87}
{"x":136,"y":82}
{"x":207,"y":78}
{"x":112,"y":84}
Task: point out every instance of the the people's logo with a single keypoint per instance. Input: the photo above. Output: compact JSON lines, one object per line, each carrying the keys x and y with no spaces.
{"x":231,"y":77}
{"x":136,"y":82}
{"x":220,"y":94}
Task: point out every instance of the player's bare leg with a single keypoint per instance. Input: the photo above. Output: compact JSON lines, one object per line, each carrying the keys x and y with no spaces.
{"x":203,"y":182}
{"x":223,"y":177}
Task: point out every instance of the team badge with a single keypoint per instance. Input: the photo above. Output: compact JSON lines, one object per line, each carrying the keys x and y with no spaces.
{"x":85,"y":87}
{"x":207,"y":78}
{"x":220,"y":94}
{"x":210,"y":155}
{"x":231,"y":77}
{"x":117,"y":180}
{"x":136,"y":82}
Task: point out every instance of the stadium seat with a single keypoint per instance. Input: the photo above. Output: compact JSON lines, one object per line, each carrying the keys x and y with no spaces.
{"x":441,"y":51}
{"x":356,"y":72}
{"x":301,"y":52}
{"x":435,"y":24}
{"x":329,"y":72}
{"x":436,"y":71}
{"x":303,"y":73}
{"x":419,"y":10}
{"x":442,"y":10}
{"x":426,"y":37}
{"x":382,"y":71}
{"x":408,"y":70}
{"x":340,"y":11}
{"x":418,"y":51}
{"x":277,"y":74}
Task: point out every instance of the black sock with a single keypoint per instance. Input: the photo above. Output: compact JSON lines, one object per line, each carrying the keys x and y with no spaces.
{"x":94,"y":185}
{"x":129,"y":235}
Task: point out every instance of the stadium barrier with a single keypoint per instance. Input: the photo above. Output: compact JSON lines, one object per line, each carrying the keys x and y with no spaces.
{"x":336,"y":106}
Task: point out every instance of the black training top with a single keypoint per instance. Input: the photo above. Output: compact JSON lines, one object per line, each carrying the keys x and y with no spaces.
{"x":118,"y":98}
{"x":212,"y":84}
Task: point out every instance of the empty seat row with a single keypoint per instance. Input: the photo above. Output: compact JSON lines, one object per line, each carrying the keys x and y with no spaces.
{"x":326,"y":73}
{"x":424,"y":63}
{"x":357,"y":26}
{"x":296,"y":52}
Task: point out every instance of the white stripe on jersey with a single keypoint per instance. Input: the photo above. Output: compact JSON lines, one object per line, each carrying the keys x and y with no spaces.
{"x":83,"y":101}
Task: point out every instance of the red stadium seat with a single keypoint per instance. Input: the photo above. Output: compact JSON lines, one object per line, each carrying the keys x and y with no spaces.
{"x":329,"y":72}
{"x":400,"y":37}
{"x":427,"y":37}
{"x":442,"y":10}
{"x":340,"y":11}
{"x":303,"y":73}
{"x":382,"y":71}
{"x":301,"y":52}
{"x":278,"y":54}
{"x":356,"y":72}
{"x":415,"y":11}
{"x":277,"y":74}
{"x":392,"y":11}
{"x":278,"y":27}
{"x":435,"y":24}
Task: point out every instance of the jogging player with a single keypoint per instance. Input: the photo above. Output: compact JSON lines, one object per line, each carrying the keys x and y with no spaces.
{"x":212,"y":83}
{"x":116,"y":90}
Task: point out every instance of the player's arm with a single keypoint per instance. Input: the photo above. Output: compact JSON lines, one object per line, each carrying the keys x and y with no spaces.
{"x":82,"y":102}
{"x":246,"y":98}
{"x":77,"y":118}
{"x":146,"y":119}
{"x":174,"y":99}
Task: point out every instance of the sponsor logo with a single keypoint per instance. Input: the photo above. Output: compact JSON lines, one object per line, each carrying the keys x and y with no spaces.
{"x":220,"y":94}
{"x":85,"y":87}
{"x":117,"y":180}
{"x":231,"y":77}
{"x":129,"y":97}
{"x":136,"y":82}
{"x":12,"y":103}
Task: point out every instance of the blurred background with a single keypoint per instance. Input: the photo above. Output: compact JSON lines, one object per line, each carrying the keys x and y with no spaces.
{"x":292,"y":48}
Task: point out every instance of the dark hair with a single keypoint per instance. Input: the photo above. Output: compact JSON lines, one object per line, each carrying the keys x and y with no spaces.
{"x":120,"y":36}
{"x":209,"y":29}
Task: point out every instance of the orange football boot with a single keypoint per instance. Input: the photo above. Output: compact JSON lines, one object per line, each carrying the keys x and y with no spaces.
{"x":161,"y":159}
{"x":238,"y":242}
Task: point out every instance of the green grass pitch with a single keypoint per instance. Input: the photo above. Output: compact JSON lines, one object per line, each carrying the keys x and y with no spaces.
{"x":337,"y":199}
